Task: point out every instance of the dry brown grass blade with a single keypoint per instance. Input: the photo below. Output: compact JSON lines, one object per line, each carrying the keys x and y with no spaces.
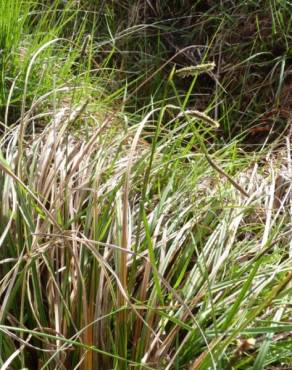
{"x":223,"y":173}
{"x":196,"y":364}
{"x":123,"y":275}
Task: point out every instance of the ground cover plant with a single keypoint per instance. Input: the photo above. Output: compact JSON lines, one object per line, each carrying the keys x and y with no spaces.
{"x":145,"y":185}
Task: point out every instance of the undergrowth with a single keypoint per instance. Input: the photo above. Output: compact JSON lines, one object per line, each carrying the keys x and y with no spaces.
{"x":145,"y":185}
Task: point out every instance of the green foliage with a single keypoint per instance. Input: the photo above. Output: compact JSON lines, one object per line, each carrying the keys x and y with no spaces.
{"x":136,"y":229}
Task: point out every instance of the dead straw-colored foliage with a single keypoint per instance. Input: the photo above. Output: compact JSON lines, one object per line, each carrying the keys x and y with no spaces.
{"x":91,"y":258}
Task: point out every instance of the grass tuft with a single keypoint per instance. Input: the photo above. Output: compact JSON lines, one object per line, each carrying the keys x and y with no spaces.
{"x":145,"y":196}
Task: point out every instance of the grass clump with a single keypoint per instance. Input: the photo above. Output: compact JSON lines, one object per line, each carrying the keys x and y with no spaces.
{"x":134,"y":232}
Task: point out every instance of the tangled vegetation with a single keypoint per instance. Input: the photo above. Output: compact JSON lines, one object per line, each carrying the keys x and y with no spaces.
{"x":145,"y":184}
